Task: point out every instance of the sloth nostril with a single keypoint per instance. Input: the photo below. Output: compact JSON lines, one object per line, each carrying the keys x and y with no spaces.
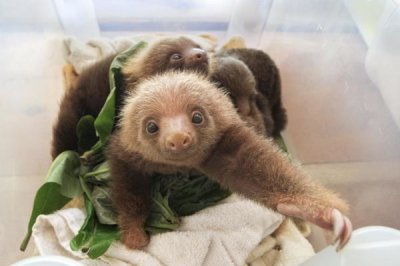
{"x":197,"y":55}
{"x":178,"y":141}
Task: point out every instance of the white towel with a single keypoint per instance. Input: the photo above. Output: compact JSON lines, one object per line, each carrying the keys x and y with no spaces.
{"x":221,"y":235}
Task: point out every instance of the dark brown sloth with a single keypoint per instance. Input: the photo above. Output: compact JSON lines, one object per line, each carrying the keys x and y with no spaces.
{"x":268,"y":85}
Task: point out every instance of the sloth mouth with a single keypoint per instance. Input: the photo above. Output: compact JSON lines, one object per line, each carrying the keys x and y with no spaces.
{"x":179,"y":156}
{"x":201,"y":68}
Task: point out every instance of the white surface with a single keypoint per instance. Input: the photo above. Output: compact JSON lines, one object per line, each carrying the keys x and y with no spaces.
{"x":248,"y":20}
{"x":383,"y":58}
{"x":47,"y":261}
{"x":77,"y":17}
{"x":32,"y":84}
{"x":369,"y":246}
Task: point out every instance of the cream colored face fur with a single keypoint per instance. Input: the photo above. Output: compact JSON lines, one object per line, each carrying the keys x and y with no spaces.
{"x":170,"y":100}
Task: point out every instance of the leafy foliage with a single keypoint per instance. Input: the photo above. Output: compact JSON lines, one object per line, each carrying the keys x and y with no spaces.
{"x":105,"y":121}
{"x":61,"y":186}
{"x":94,"y":238}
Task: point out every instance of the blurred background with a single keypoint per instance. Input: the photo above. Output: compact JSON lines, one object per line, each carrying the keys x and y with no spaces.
{"x":339,"y":61}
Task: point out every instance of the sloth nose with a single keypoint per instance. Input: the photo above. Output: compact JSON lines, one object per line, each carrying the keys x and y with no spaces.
{"x":178,"y":141}
{"x":198,"y":55}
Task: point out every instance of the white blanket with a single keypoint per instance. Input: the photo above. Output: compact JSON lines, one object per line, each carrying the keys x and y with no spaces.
{"x":221,"y":235}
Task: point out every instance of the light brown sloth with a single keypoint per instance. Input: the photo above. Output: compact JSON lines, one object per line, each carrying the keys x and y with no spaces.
{"x":169,"y":124}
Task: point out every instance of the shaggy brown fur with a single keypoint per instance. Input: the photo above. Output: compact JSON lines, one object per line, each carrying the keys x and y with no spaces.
{"x":268,"y":84}
{"x":92,"y":87}
{"x":222,"y":146}
{"x":236,"y":79}
{"x":169,"y":101}
{"x":86,"y":97}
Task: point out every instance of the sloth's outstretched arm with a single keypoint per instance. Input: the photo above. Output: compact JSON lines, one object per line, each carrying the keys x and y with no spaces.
{"x":254,"y":167}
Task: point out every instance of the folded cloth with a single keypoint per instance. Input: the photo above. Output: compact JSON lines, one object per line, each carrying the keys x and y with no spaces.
{"x":221,"y":235}
{"x":286,"y":247}
{"x":83,"y":54}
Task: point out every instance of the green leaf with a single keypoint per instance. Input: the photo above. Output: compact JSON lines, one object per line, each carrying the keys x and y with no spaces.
{"x":105,"y":121}
{"x":86,"y":133}
{"x":190,"y":194}
{"x":94,"y":238}
{"x":281,"y":143}
{"x":61,"y":186}
{"x":179,"y":195}
{"x":94,"y":156}
{"x":47,"y":200}
{"x":101,"y":199}
{"x":100,"y":175}
{"x":196,"y":193}
{"x":161,"y":218}
{"x":65,"y":171}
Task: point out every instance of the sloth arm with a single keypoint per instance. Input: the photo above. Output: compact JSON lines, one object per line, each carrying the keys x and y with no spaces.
{"x":130,"y":197}
{"x":254,"y":167}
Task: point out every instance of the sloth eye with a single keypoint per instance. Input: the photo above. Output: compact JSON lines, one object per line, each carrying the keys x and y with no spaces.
{"x":197,"y":118}
{"x":151,"y":127}
{"x":176,"y":57}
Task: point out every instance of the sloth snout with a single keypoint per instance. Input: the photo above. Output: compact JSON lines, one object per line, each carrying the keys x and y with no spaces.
{"x":178,"y":141}
{"x":198,"y":55}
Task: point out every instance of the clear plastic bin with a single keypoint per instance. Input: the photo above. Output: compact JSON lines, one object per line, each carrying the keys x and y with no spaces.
{"x":339,"y":63}
{"x":369,"y":246}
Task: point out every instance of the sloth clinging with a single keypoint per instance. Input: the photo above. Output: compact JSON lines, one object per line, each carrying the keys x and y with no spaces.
{"x":92,"y":87}
{"x":233,"y":76}
{"x":267,"y":76}
{"x":168,"y":124}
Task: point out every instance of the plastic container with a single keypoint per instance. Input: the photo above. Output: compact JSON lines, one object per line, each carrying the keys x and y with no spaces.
{"x":339,"y":63}
{"x":47,"y":261}
{"x":369,"y":246}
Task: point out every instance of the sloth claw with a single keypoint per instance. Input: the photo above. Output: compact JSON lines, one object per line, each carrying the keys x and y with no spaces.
{"x":342,"y":229}
{"x":335,"y":221}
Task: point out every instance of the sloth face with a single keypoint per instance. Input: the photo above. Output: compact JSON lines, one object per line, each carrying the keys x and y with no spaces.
{"x":176,"y":54}
{"x":172,"y":118}
{"x":175,"y":135}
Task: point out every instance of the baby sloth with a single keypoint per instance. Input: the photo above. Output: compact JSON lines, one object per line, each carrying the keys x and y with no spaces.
{"x":92,"y":87}
{"x":233,"y":76}
{"x":266,"y":74}
{"x":168,"y":125}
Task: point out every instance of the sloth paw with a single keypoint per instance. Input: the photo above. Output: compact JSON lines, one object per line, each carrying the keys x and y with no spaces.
{"x":135,"y":238}
{"x":330,"y":219}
